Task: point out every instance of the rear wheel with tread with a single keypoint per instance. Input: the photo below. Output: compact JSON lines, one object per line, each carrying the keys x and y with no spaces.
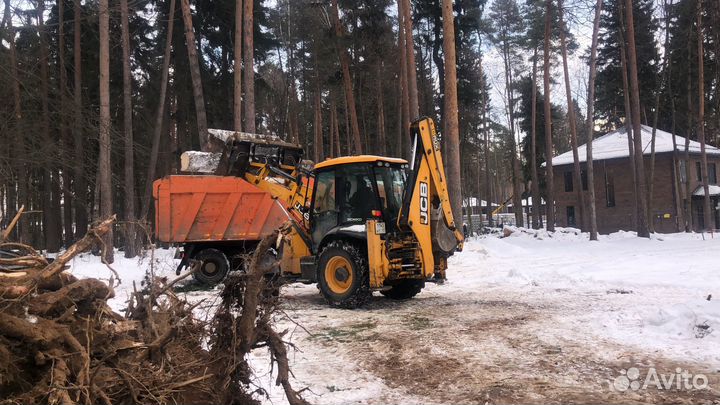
{"x":214,"y":266}
{"x":343,"y":276}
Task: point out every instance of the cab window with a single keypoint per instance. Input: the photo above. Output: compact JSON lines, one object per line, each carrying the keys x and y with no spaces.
{"x":356,"y":195}
{"x":325,"y":193}
{"x":324,"y":212}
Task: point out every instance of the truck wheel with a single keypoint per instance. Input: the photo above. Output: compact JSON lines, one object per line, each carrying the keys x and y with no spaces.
{"x":343,"y":276}
{"x":214,"y":266}
{"x":406,"y":289}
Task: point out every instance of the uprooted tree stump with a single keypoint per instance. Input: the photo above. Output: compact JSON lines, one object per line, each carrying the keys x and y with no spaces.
{"x":60,"y":342}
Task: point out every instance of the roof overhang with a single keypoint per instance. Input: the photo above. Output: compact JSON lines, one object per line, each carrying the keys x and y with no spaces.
{"x":358,"y":159}
{"x":713,"y":189}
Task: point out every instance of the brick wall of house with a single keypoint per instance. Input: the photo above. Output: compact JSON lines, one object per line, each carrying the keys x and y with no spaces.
{"x":617,"y":172}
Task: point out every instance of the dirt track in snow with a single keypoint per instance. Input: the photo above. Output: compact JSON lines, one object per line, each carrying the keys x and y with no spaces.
{"x":474,"y":347}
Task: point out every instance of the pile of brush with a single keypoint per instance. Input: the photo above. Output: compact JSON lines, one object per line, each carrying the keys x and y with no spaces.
{"x":60,"y":342}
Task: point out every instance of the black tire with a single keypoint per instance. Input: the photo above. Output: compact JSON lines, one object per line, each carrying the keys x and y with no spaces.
{"x":405,"y":289}
{"x":338,"y":255}
{"x":213,"y":268}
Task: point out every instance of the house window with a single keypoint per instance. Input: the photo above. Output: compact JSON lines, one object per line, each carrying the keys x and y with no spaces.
{"x":698,"y":171}
{"x":609,"y":190}
{"x":712,"y":174}
{"x":683,"y":173}
{"x":570,"y":215}
{"x":568,"y":182}
{"x":583,"y":179}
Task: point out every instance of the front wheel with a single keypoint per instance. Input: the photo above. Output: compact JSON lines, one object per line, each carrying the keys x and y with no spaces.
{"x":405,"y":289}
{"x":343,"y":276}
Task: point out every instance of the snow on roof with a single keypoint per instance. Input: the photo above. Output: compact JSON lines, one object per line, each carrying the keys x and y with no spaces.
{"x":527,"y":202}
{"x":615,"y":145}
{"x":714,"y":190}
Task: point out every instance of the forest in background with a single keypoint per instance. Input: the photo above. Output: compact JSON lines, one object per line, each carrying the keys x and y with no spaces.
{"x":101,"y":97}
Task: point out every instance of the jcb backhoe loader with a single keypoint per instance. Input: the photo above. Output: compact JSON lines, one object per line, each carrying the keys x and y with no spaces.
{"x":353,"y":224}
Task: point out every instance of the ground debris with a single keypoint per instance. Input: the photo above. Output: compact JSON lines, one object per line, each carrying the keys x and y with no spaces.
{"x":60,"y":342}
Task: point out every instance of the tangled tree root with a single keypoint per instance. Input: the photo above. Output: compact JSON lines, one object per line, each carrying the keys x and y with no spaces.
{"x":60,"y":343}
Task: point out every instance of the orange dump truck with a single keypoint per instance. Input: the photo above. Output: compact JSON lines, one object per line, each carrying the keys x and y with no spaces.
{"x":218,"y":219}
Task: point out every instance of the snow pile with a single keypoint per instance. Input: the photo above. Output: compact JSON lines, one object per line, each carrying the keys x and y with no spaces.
{"x":569,"y":234}
{"x":161,"y":262}
{"x":660,"y":294}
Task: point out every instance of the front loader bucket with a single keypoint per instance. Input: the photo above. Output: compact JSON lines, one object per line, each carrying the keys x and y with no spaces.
{"x":240,"y":149}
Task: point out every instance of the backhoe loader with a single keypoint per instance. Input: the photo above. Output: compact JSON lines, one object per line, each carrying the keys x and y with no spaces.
{"x":353,"y":224}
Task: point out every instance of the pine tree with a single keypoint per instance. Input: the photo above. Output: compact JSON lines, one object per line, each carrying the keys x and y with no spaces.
{"x":610,"y":105}
{"x":507,"y":35}
{"x":450,"y":132}
{"x":105,"y":170}
{"x":129,"y":180}
{"x":590,"y":122}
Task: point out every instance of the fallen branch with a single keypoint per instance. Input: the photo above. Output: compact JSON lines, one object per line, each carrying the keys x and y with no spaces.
{"x":279,"y":353}
{"x":6,"y":234}
{"x":78,"y":247}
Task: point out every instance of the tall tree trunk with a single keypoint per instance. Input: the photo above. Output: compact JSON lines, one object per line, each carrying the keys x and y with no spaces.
{"x":707,"y":217}
{"x":195,"y":75}
{"x":80,"y":178}
{"x":577,"y":178}
{"x":451,"y":132}
{"x":294,"y":130}
{"x":21,"y":167}
{"x":550,"y":202}
{"x":689,"y":226}
{"x":677,"y":183}
{"x":104,"y":169}
{"x":347,"y":80}
{"x":381,"y":113}
{"x":336,"y":130}
{"x":405,"y":8}
{"x":318,"y":128}
{"x":129,"y":196}
{"x":9,"y":152}
{"x":51,"y":225}
{"x":535,"y":187}
{"x":404,"y":139}
{"x":515,"y":162}
{"x":160,"y":114}
{"x":628,"y":114}
{"x":656,"y":112}
{"x":642,"y":230}
{"x":65,"y":140}
{"x":249,"y":64}
{"x":237,"y":66}
{"x":331,"y":128}
{"x":438,"y":58}
{"x":592,"y":215}
{"x":486,"y":137}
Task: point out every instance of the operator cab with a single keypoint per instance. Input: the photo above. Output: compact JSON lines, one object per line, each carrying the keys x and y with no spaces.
{"x":350,"y":190}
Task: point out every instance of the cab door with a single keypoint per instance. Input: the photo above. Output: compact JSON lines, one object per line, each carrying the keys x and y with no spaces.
{"x":325,"y":211}
{"x":344,"y":198}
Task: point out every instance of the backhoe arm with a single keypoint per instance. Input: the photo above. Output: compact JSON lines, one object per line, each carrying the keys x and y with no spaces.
{"x":426,"y":202}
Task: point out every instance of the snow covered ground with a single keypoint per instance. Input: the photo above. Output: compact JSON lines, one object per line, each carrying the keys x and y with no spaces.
{"x":533,"y":317}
